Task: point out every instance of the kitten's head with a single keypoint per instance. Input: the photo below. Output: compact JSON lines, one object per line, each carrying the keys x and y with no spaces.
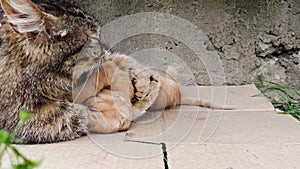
{"x":44,"y":31}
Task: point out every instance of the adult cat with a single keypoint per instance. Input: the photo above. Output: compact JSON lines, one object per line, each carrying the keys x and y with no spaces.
{"x":39,"y":49}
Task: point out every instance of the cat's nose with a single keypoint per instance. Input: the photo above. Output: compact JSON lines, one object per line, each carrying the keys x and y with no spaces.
{"x":99,"y":40}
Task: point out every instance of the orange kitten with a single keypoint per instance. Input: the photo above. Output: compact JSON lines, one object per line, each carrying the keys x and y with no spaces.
{"x":126,"y":90}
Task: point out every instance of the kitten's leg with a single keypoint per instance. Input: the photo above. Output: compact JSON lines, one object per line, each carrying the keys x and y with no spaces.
{"x":110,"y":112}
{"x":54,"y":122}
{"x":96,"y":79}
{"x":169,"y":91}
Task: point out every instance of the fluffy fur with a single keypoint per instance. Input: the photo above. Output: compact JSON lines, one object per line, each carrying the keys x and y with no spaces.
{"x":125,"y":90}
{"x":40,"y":45}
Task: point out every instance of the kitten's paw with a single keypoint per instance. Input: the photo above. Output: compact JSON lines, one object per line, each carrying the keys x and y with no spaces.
{"x":153,"y":85}
{"x":154,"y":82}
{"x":141,"y":84}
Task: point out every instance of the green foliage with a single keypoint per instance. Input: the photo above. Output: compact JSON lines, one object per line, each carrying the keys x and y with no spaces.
{"x":24,"y":116}
{"x":7,"y":138}
{"x":283,"y":97}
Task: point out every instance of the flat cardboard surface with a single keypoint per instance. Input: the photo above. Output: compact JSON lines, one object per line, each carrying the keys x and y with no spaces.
{"x":252,"y":135}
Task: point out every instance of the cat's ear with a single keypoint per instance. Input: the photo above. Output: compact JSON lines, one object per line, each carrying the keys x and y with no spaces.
{"x":23,"y":15}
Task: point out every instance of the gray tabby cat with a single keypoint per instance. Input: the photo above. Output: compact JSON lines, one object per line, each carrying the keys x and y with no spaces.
{"x":40,"y":44}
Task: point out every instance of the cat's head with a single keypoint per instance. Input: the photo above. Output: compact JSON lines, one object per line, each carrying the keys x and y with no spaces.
{"x":44,"y":31}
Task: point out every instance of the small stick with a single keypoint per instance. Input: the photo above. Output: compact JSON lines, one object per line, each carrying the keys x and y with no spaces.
{"x":163,"y":146}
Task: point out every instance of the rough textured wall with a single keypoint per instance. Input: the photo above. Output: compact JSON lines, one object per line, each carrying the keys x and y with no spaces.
{"x":251,"y":36}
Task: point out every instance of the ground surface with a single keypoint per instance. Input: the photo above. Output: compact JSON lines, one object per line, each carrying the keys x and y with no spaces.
{"x":251,"y":136}
{"x":241,"y":37}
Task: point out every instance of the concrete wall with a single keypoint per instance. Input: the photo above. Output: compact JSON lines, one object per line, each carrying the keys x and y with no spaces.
{"x":251,"y":36}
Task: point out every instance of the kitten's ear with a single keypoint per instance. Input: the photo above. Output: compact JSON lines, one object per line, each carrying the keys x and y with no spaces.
{"x":24,"y":15}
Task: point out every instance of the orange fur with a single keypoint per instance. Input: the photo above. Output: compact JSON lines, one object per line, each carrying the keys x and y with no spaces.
{"x":170,"y":94}
{"x":169,"y":91}
{"x":114,"y":105}
{"x":110,"y":112}
{"x":107,"y":94}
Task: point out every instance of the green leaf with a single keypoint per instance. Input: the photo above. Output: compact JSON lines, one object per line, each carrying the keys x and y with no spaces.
{"x":295,"y":112}
{"x":6,"y":137}
{"x":24,"y":116}
{"x":285,"y":97}
{"x":275,"y":84}
{"x":3,"y":149}
{"x":276,"y":89}
{"x":295,"y":91}
{"x":296,"y":116}
{"x":260,"y":78}
{"x":27,"y":163}
{"x":16,"y":152}
{"x":291,"y":111}
{"x":257,"y":95}
{"x":22,"y":166}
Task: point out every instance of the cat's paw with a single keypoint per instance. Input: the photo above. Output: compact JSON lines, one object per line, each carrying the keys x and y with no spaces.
{"x":80,"y":119}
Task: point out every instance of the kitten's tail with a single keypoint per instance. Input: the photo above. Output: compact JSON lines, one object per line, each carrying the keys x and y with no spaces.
{"x":201,"y":103}
{"x":172,"y":73}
